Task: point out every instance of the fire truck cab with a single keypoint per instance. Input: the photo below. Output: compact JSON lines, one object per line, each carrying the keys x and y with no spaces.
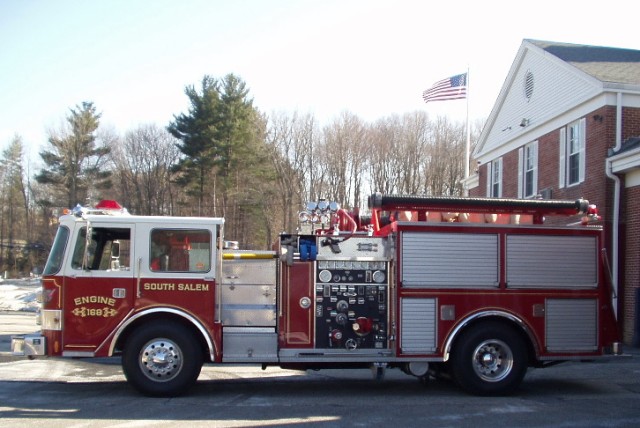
{"x":478,"y":288}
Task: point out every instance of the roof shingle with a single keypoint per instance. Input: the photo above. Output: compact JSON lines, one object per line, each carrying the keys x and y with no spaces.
{"x":606,"y":64}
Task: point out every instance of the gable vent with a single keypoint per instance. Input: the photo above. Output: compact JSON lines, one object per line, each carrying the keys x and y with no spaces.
{"x":528,"y":85}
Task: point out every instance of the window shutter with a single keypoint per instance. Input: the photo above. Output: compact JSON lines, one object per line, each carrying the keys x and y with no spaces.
{"x":562,"y":170}
{"x":520,"y":172}
{"x":499,"y":167}
{"x":489,"y":178}
{"x":583,"y":146}
{"x":534,"y":149}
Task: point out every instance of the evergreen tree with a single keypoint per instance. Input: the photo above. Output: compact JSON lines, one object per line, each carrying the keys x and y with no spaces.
{"x":197,"y":132}
{"x":75,"y":164}
{"x":14,"y":216}
{"x":225,"y":167}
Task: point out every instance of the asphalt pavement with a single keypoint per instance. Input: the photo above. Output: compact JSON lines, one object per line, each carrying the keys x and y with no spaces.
{"x":63,"y":392}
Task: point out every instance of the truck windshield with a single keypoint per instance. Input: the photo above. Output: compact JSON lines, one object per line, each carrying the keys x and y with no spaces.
{"x":54,"y":263}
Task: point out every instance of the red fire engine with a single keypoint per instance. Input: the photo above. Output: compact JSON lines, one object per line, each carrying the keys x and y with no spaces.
{"x":479,"y":289}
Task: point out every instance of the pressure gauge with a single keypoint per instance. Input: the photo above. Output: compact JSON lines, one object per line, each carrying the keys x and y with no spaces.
{"x":379,"y":277}
{"x":324,"y":276}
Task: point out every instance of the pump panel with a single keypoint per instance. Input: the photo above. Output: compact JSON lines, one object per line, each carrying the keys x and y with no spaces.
{"x":351,"y":304}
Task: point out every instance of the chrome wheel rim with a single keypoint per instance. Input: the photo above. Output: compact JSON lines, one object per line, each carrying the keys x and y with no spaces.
{"x":492,"y":360}
{"x":161,"y":360}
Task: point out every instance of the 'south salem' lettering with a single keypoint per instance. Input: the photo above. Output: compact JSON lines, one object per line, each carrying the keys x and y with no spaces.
{"x":169,"y":286}
{"x":159,"y":286}
{"x":193,"y":287}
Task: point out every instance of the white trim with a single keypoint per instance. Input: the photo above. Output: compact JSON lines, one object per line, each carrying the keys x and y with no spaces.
{"x":579,"y":127}
{"x":489,"y":178}
{"x":521,"y":169}
{"x":583,"y":149}
{"x":496,"y":166}
{"x":603,"y":94}
{"x":622,"y":162}
{"x":632,"y":178}
{"x":562,"y":170}
{"x":545,"y":125}
{"x":534,"y":149}
{"x":535,"y":173}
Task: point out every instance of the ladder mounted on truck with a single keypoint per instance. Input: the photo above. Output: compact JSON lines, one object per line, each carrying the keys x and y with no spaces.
{"x":388,"y":208}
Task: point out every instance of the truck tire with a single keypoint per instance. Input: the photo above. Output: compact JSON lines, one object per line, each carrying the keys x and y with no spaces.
{"x":162,"y":360}
{"x":489,"y":359}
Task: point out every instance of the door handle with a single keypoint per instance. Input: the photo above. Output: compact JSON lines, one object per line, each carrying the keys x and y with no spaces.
{"x":305,"y":302}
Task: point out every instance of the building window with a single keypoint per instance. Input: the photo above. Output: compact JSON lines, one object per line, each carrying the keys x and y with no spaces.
{"x":494,"y":178}
{"x":528,"y":170}
{"x":572,"y":154}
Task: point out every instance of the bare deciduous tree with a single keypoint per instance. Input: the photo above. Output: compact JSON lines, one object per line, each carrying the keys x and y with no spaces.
{"x":143,"y":161}
{"x":343,"y":154}
{"x":291,"y":141}
{"x":408,"y":154}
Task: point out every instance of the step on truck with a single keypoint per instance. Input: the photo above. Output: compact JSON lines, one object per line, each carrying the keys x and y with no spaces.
{"x":475,"y":289}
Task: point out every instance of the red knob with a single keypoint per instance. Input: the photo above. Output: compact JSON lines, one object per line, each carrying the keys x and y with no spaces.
{"x":363,"y":326}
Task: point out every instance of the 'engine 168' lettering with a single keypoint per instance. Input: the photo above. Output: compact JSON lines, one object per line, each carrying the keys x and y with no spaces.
{"x":170,"y":286}
{"x":94,"y":299}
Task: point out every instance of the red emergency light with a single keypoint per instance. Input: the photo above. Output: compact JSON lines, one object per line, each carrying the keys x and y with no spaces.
{"x":107,"y":204}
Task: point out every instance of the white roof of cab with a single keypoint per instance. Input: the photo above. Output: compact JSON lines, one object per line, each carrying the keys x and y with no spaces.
{"x":160,"y":220}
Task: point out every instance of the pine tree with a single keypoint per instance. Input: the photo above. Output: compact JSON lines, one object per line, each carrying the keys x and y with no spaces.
{"x":196,"y":131}
{"x":225,"y":168}
{"x":75,"y":164}
{"x":14,"y":221}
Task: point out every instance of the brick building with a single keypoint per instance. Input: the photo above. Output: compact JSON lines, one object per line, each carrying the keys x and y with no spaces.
{"x":566,"y":125}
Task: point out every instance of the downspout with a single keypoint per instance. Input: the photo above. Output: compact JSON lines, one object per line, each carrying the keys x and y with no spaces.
{"x":616,"y":205}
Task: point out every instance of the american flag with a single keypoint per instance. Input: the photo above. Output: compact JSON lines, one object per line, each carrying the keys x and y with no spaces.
{"x":451,"y":88}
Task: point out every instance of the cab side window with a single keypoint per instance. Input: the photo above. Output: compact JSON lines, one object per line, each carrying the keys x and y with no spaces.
{"x":105,"y":249}
{"x":180,"y":250}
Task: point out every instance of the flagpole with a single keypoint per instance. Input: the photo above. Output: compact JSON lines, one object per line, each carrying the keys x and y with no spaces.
{"x":467,"y":159}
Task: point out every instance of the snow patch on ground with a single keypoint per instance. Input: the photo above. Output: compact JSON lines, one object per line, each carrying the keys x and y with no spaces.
{"x":19,"y":294}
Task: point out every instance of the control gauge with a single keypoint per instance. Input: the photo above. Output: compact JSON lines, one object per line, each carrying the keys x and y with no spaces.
{"x":379,"y":276}
{"x":324,"y":276}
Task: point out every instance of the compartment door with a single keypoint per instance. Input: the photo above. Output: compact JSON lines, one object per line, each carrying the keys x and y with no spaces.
{"x":296,"y":313}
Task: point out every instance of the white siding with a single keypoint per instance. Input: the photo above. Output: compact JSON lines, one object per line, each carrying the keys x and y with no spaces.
{"x":557,"y":88}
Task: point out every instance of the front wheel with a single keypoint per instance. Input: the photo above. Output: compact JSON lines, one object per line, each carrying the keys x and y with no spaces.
{"x":489,"y":359}
{"x":162,"y":359}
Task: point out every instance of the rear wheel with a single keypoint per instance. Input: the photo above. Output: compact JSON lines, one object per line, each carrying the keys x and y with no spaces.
{"x":162,"y":360}
{"x":489,"y":359}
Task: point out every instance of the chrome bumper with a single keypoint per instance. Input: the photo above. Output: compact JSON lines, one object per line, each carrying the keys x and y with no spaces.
{"x":30,"y":345}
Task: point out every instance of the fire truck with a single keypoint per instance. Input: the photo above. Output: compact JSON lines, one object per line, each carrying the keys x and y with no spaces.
{"x":473,"y":289}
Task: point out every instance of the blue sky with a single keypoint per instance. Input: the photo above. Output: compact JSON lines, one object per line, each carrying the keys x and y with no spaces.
{"x":133,"y":58}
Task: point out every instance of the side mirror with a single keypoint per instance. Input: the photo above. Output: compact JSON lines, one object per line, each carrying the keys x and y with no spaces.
{"x":115,"y":255}
{"x":115,"y":250}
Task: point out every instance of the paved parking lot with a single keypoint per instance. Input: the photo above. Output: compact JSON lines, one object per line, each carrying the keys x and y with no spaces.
{"x":67,"y":392}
